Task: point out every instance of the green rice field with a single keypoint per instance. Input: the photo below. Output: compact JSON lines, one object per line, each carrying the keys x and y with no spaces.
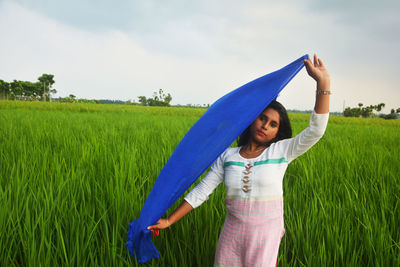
{"x":73,"y":176}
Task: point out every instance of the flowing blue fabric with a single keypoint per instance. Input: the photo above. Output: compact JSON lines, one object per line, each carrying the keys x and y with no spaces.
{"x":216,"y":130}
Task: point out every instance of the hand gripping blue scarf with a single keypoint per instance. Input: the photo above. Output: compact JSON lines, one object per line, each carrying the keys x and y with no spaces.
{"x":216,"y":130}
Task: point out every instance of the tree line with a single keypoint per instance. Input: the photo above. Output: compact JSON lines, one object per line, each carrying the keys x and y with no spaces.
{"x":367,"y":111}
{"x":42,"y":90}
{"x":17,"y":90}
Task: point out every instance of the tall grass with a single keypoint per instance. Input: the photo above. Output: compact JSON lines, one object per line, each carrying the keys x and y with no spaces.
{"x":72,"y":177}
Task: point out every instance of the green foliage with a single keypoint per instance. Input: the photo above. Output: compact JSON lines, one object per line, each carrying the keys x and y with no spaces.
{"x":4,"y":89}
{"x":366,"y":112}
{"x":394,"y":114}
{"x":129,"y":102}
{"x":352,"y":112}
{"x":97,"y":106}
{"x":142,"y":100}
{"x":25,"y":90}
{"x":158,"y":99}
{"x":46,"y":80}
{"x":72,"y":177}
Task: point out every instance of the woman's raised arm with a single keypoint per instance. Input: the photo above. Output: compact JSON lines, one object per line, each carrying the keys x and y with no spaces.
{"x":320,"y":74}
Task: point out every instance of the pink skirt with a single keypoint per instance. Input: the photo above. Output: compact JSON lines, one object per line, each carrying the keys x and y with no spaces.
{"x":251,"y":234}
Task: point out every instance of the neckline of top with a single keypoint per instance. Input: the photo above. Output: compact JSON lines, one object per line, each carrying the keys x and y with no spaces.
{"x":238,"y":152}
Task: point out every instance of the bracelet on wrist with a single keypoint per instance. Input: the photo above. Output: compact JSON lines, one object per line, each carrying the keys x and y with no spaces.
{"x":323,"y":92}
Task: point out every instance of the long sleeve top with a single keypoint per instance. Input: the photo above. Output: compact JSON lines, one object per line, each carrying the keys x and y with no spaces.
{"x":257,"y":178}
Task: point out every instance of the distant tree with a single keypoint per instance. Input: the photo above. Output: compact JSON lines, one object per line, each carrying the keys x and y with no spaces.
{"x":47,"y":81}
{"x":366,"y":112}
{"x":142,"y":100}
{"x":30,"y":89}
{"x":16,"y":89}
{"x":361,"y":111}
{"x":130,"y":102}
{"x":393,"y":114}
{"x":352,"y":112}
{"x":159,"y":99}
{"x":4,"y":89}
{"x":379,"y":107}
{"x":71,"y":99}
{"x":167,"y":99}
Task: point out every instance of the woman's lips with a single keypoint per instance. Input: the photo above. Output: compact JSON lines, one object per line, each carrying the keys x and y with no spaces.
{"x":261,"y":133}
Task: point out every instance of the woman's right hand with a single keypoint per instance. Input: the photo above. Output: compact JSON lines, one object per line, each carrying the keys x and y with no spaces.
{"x":181,"y":211}
{"x":161,"y":224}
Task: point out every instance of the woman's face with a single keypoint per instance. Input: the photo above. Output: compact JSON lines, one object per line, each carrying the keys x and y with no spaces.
{"x":265,"y":127}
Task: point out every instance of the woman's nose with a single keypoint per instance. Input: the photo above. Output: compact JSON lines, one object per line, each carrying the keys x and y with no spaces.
{"x":264,"y":126}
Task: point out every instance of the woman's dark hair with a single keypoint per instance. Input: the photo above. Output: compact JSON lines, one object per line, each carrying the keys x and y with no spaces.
{"x":285,"y":129}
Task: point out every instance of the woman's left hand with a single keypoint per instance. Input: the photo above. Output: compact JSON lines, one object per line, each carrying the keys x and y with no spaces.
{"x":320,"y":74}
{"x":317,"y":70}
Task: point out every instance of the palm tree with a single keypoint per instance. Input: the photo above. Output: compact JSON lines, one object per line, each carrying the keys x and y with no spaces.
{"x":47,"y":81}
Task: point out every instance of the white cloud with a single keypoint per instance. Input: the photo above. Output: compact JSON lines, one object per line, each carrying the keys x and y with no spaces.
{"x":91,"y":65}
{"x":199,"y":56}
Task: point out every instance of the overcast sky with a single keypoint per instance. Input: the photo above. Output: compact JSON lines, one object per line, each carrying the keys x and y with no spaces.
{"x":200,"y":50}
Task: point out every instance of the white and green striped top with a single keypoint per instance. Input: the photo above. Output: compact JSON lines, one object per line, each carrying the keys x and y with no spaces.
{"x":257,"y":178}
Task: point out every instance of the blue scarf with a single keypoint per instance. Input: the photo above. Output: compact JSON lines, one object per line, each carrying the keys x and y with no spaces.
{"x":216,"y":130}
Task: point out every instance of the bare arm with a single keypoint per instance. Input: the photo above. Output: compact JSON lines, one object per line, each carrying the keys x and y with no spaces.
{"x":320,"y":74}
{"x":294,"y":147}
{"x":181,"y":211}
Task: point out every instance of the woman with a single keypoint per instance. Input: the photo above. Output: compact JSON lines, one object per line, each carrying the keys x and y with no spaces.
{"x":253,"y":173}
